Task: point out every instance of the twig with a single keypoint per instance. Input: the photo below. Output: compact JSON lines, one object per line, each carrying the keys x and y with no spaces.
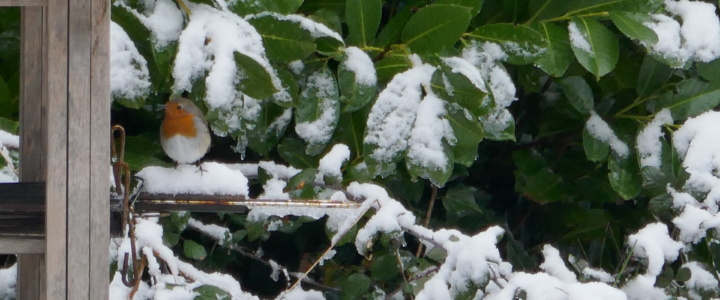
{"x":433,"y":195}
{"x":8,"y":160}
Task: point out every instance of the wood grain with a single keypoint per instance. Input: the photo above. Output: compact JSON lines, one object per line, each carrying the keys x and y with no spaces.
{"x":23,"y":3}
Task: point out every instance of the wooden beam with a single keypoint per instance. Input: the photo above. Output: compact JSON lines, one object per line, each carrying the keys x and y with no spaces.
{"x":99,"y":149}
{"x":56,"y":93}
{"x":33,"y":141}
{"x":23,"y":3}
{"x":27,"y":245}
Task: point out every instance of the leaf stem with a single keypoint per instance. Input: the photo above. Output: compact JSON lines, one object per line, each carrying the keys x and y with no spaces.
{"x":426,"y":223}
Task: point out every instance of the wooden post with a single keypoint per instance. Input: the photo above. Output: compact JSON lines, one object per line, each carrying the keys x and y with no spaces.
{"x":65,"y":142}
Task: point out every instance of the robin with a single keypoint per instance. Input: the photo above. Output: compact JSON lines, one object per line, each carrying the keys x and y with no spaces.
{"x":184,"y":133}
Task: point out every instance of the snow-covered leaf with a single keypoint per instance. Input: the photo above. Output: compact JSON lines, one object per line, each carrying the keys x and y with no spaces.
{"x":318,"y":111}
{"x":468,"y":132}
{"x":284,"y":41}
{"x":631,"y":24}
{"x":556,"y":59}
{"x":595,"y":46}
{"x":522,"y":44}
{"x":357,"y":79}
{"x":253,"y":78}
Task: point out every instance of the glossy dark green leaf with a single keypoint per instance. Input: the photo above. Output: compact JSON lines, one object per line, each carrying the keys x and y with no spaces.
{"x":435,"y":27}
{"x":456,"y":88}
{"x":691,"y":98}
{"x":355,"y":89}
{"x":709,"y":71}
{"x":473,"y":5}
{"x":624,"y":176}
{"x":243,"y":8}
{"x":350,"y":131}
{"x":595,"y":149}
{"x":460,"y":200}
{"x":384,"y":267}
{"x":363,"y":20}
{"x":631,"y":24}
{"x":293,"y":151}
{"x":683,"y":274}
{"x":390,"y":33}
{"x":393,"y":63}
{"x":595,"y":46}
{"x":579,"y":93}
{"x":468,"y":133}
{"x":211,"y":292}
{"x":557,"y":57}
{"x":438,"y":175}
{"x":269,"y":127}
{"x":9,"y":126}
{"x":318,"y":112}
{"x":193,"y":250}
{"x":652,"y":76}
{"x":284,"y":41}
{"x":355,"y":286}
{"x":499,"y":126}
{"x":254,"y":79}
{"x":522,"y":44}
{"x":289,"y":84}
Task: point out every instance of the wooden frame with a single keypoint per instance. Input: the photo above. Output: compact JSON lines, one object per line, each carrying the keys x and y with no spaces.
{"x":65,"y":142}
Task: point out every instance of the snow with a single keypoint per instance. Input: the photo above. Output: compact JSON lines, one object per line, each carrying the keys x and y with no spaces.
{"x":277,"y":170}
{"x":393,"y":115}
{"x":165,"y":21}
{"x":296,"y":66}
{"x":600,"y":129}
{"x":653,"y":243}
{"x":697,"y":37}
{"x":219,"y":233}
{"x":207,"y":45}
{"x":700,"y":279}
{"x":463,"y":66}
{"x":8,"y":280}
{"x":599,"y":275}
{"x":425,"y":145}
{"x":336,"y":215}
{"x":578,"y":39}
{"x":358,"y":62}
{"x":9,"y":140}
{"x":213,"y":179}
{"x":316,"y":30}
{"x":555,"y":266}
{"x":331,"y":163}
{"x":299,"y":293}
{"x":129,"y":76}
{"x":649,"y":145}
{"x":320,"y":130}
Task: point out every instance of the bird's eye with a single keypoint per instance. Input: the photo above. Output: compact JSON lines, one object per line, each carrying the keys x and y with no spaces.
{"x":179,"y":107}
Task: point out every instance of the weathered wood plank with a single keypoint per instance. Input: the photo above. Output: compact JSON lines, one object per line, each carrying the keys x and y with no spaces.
{"x":33,"y":140}
{"x":78,"y":213}
{"x":23,"y":245}
{"x":23,"y":3}
{"x":100,"y":149}
{"x":56,"y":93}
{"x":22,"y":197}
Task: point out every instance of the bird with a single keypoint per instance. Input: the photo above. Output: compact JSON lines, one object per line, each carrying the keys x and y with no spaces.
{"x":184,"y":133}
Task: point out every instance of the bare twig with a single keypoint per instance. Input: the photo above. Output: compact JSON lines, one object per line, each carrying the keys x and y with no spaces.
{"x":433,"y":195}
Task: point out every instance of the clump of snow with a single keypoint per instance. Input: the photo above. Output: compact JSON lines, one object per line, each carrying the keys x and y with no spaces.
{"x":392,"y":116}
{"x":695,"y":39}
{"x":599,"y":275}
{"x":466,"y":68}
{"x":259,"y":212}
{"x":274,"y":189}
{"x":277,"y":170}
{"x":426,"y":137}
{"x":331,"y":163}
{"x":219,"y":233}
{"x":358,"y":62}
{"x":555,"y":266}
{"x":8,"y":280}
{"x":129,"y":76}
{"x":165,"y":21}
{"x":207,"y":45}
{"x":299,"y":293}
{"x":320,"y":130}
{"x":578,"y":39}
{"x":700,"y":279}
{"x":316,"y":30}
{"x":600,"y":129}
{"x":648,"y":140}
{"x":654,"y":244}
{"x":296,"y":66}
{"x":214,"y":179}
{"x":9,"y":140}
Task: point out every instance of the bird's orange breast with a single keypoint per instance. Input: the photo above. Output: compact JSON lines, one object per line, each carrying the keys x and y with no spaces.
{"x":183,"y":125}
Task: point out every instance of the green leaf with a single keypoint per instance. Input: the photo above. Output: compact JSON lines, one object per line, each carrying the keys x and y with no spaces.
{"x":384,"y":267}
{"x":595,"y":46}
{"x":652,"y":76}
{"x":595,"y":149}
{"x":243,"y":8}
{"x":438,"y":175}
{"x":390,"y":33}
{"x":709,"y":71}
{"x":363,"y":20}
{"x":456,"y":88}
{"x":8,"y":102}
{"x":631,"y":24}
{"x":318,"y":112}
{"x":579,"y":93}
{"x":522,"y":44}
{"x":254,"y":79}
{"x":499,"y":126}
{"x":692,"y":97}
{"x":624,"y":176}
{"x":350,"y":131}
{"x":460,"y":200}
{"x":9,"y":126}
{"x":355,"y":286}
{"x":468,"y":133}
{"x":435,"y":27}
{"x":356,"y":93}
{"x":194,"y":250}
{"x":473,"y":5}
{"x":557,"y":57}
{"x":683,"y":274}
{"x":170,"y":239}
{"x":293,"y":151}
{"x":289,"y":85}
{"x":269,"y":127}
{"x":211,"y":292}
{"x":393,"y":63}
{"x":284,"y":41}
